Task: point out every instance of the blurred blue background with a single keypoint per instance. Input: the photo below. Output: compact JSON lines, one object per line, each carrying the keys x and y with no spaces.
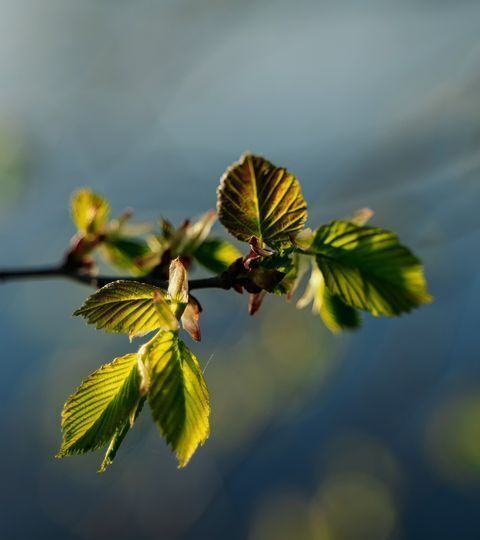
{"x":371,"y":435}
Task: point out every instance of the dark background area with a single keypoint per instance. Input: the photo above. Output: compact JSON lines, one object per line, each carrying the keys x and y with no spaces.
{"x":371,"y":435}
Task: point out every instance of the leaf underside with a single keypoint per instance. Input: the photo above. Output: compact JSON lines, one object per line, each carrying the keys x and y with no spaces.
{"x":178,"y":395}
{"x":367,"y":268}
{"x":101,"y":407}
{"x":119,"y":436}
{"x":255,"y":198}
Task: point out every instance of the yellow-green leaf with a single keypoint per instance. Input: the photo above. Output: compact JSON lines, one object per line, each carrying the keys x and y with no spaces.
{"x":128,"y":307}
{"x":90,"y":211}
{"x":256,"y":198}
{"x":178,"y":395}
{"x":101,"y":407}
{"x":369,"y":269}
{"x":118,"y":437}
{"x":216,"y":255}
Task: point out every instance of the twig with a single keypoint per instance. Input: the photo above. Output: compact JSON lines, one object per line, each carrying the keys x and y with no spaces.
{"x":222,"y":281}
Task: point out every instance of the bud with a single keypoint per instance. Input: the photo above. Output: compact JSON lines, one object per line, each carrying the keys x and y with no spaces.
{"x":360,"y":217}
{"x":178,"y":282}
{"x":191,"y":318}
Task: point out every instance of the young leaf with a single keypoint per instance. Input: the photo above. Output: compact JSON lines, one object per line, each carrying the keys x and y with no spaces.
{"x":90,"y":211}
{"x":102,"y":405}
{"x":314,"y":292}
{"x":125,"y":253}
{"x":255,"y":198}
{"x":369,"y":269}
{"x":118,"y":437}
{"x":216,"y":255}
{"x":195,"y":234}
{"x":126,"y":306}
{"x":178,"y":395}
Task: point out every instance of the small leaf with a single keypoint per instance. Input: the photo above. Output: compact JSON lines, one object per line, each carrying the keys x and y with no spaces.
{"x":128,"y":307}
{"x":255,"y":198}
{"x":90,"y":211}
{"x":294,"y":275}
{"x":101,"y":406}
{"x":216,"y":255}
{"x":264,"y":278}
{"x":369,"y":269}
{"x":286,"y":267}
{"x":178,"y":395}
{"x":195,"y":234}
{"x":314,"y":292}
{"x":125,"y":253}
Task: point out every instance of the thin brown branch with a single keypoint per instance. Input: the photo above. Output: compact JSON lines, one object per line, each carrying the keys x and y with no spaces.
{"x":222,"y":281}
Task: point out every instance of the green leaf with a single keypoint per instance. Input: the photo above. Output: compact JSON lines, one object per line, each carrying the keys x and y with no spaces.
{"x":101,"y":407}
{"x":216,"y":255}
{"x":255,"y":198}
{"x":178,"y":395}
{"x":369,"y":269}
{"x":90,"y":211}
{"x":117,"y":439}
{"x":128,"y":307}
{"x":336,"y":315}
{"x":292,"y":265}
{"x":125,"y":253}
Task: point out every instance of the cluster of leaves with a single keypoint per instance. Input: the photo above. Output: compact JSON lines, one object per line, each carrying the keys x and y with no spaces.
{"x":353,"y":268}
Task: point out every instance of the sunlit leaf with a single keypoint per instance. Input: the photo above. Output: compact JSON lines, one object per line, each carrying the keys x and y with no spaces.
{"x":90,"y":211}
{"x":128,"y":307}
{"x":119,"y":436}
{"x":255,"y":198}
{"x":101,"y":407}
{"x":216,"y":255}
{"x":178,"y":395}
{"x":369,"y":269}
